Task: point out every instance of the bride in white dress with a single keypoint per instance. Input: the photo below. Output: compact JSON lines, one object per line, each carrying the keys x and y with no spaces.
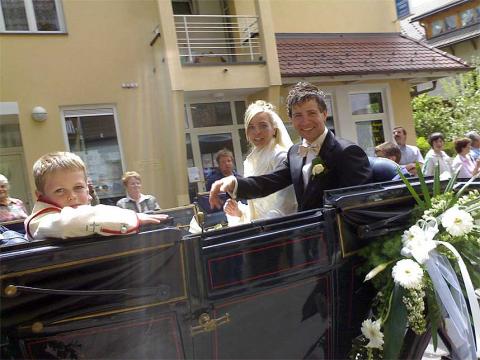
{"x":270,"y":142}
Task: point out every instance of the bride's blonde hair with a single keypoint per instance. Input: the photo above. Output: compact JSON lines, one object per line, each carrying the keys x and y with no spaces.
{"x":260,"y":106}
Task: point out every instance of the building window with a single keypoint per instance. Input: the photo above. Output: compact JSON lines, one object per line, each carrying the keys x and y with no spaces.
{"x":467,"y":17}
{"x":368,"y":115}
{"x":438,"y":27}
{"x":92,"y":135}
{"x":451,"y":23}
{"x":31,"y":16}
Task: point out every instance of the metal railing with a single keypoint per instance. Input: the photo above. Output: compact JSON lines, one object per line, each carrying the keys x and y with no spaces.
{"x":218,"y":38}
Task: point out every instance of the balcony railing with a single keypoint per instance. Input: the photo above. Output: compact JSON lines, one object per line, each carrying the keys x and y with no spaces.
{"x":218,"y":38}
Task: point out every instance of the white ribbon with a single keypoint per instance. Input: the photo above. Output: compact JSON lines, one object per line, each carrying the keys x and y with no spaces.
{"x":472,"y":299}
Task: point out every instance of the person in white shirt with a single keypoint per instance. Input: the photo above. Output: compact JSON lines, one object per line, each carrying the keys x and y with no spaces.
{"x":436,"y":155}
{"x":135,"y":200}
{"x":410,"y":154}
{"x":270,"y":142}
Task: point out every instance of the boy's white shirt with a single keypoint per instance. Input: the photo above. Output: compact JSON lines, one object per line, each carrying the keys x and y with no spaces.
{"x":48,"y":220}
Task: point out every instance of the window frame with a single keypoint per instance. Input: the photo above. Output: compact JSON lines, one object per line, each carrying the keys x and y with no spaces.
{"x":32,"y":21}
{"x":92,"y":110}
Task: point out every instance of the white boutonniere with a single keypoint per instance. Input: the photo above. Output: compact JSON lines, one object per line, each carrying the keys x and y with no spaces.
{"x":318,"y":167}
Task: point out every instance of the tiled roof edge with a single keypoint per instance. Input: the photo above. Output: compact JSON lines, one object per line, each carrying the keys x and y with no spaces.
{"x":286,"y":36}
{"x":375,"y":72}
{"x":441,"y":52}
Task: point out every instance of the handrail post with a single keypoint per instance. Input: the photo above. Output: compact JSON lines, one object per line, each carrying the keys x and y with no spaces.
{"x":187,"y":37}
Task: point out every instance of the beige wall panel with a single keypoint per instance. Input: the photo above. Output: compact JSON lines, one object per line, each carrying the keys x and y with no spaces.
{"x":242,"y":7}
{"x":333,"y":16}
{"x":402,"y":108}
{"x":215,"y":77}
{"x":87,"y":67}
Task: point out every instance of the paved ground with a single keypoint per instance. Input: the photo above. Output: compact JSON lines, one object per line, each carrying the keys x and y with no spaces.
{"x":435,"y":355}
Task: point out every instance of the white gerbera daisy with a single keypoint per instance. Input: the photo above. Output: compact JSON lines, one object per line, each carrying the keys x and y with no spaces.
{"x":414,"y":233}
{"x":418,"y":241}
{"x":457,"y":222}
{"x":408,"y":274}
{"x":371,"y":330}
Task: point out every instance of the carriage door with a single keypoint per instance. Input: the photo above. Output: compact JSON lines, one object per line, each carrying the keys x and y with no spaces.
{"x":266,"y":291}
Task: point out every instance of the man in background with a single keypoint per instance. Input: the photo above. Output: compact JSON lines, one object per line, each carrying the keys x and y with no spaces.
{"x":410,"y":153}
{"x":225,"y":162}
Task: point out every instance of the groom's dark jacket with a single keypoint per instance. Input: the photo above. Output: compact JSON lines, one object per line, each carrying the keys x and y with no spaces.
{"x":346,"y":164}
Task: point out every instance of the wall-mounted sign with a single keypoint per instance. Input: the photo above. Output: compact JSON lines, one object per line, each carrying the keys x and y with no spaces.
{"x":403,"y":8}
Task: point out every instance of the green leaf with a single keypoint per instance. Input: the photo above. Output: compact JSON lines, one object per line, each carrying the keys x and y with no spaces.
{"x":452,"y":181}
{"x":410,"y":188}
{"x":434,"y":316}
{"x":423,"y":185}
{"x":395,"y":325}
{"x":436,"y":180}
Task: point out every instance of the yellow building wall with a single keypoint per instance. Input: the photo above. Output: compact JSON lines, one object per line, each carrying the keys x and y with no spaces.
{"x":402,"y":108}
{"x":107,"y":44}
{"x":334,"y":16}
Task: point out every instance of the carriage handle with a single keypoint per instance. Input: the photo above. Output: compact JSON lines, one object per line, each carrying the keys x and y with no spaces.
{"x":161,"y":291}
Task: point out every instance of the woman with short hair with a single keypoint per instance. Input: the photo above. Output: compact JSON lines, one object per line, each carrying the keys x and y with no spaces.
{"x":464,"y":161}
{"x":436,"y":155}
{"x":10,"y":209}
{"x":135,"y":200}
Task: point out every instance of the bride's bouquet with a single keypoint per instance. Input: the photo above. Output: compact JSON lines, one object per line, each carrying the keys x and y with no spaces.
{"x":417,"y":275}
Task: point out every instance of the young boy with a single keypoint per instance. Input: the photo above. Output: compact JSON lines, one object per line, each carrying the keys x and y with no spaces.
{"x":63,"y":207}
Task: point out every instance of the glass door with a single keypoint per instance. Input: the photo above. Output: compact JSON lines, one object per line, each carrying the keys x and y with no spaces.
{"x":211,"y":127}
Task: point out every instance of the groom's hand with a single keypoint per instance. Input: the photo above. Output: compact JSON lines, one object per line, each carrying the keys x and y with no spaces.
{"x":226,"y":184}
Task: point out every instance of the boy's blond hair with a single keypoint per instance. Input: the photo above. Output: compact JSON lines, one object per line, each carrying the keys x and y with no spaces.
{"x":54,"y":161}
{"x":130,"y":174}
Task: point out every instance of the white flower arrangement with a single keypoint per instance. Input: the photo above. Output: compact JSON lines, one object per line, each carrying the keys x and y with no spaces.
{"x":446,"y":219}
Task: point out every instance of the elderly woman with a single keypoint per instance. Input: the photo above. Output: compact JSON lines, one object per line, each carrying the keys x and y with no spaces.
{"x":270,"y":142}
{"x":464,"y":161}
{"x":436,"y":155}
{"x":10,"y":208}
{"x":135,"y":200}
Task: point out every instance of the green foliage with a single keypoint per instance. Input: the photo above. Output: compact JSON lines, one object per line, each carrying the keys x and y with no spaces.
{"x":453,"y":117}
{"x":423,"y":145}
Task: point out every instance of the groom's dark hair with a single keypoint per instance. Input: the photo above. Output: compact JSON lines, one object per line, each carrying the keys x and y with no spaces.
{"x":302,"y":92}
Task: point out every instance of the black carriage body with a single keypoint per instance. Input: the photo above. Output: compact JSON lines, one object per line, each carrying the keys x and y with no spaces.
{"x":284,"y":288}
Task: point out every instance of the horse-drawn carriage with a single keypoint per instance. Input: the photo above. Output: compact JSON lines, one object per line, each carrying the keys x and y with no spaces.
{"x":284,"y":288}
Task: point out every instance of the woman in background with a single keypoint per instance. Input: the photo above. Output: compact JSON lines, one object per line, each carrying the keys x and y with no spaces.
{"x":135,"y":200}
{"x":10,"y":209}
{"x":436,"y":155}
{"x":464,"y":161}
{"x":270,"y":142}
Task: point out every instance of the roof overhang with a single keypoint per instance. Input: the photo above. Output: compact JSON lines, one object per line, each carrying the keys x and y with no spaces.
{"x":413,"y":78}
{"x":360,"y":57}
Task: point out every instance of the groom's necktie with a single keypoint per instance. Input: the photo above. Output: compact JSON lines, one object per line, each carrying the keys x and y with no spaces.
{"x":304,"y":149}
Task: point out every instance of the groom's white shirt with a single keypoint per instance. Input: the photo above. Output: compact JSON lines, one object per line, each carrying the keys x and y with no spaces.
{"x":307,"y":168}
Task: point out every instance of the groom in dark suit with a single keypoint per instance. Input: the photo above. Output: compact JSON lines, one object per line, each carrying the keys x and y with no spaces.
{"x":321,"y":162}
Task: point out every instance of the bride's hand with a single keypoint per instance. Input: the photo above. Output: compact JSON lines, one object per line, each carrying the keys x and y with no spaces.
{"x":231,"y":208}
